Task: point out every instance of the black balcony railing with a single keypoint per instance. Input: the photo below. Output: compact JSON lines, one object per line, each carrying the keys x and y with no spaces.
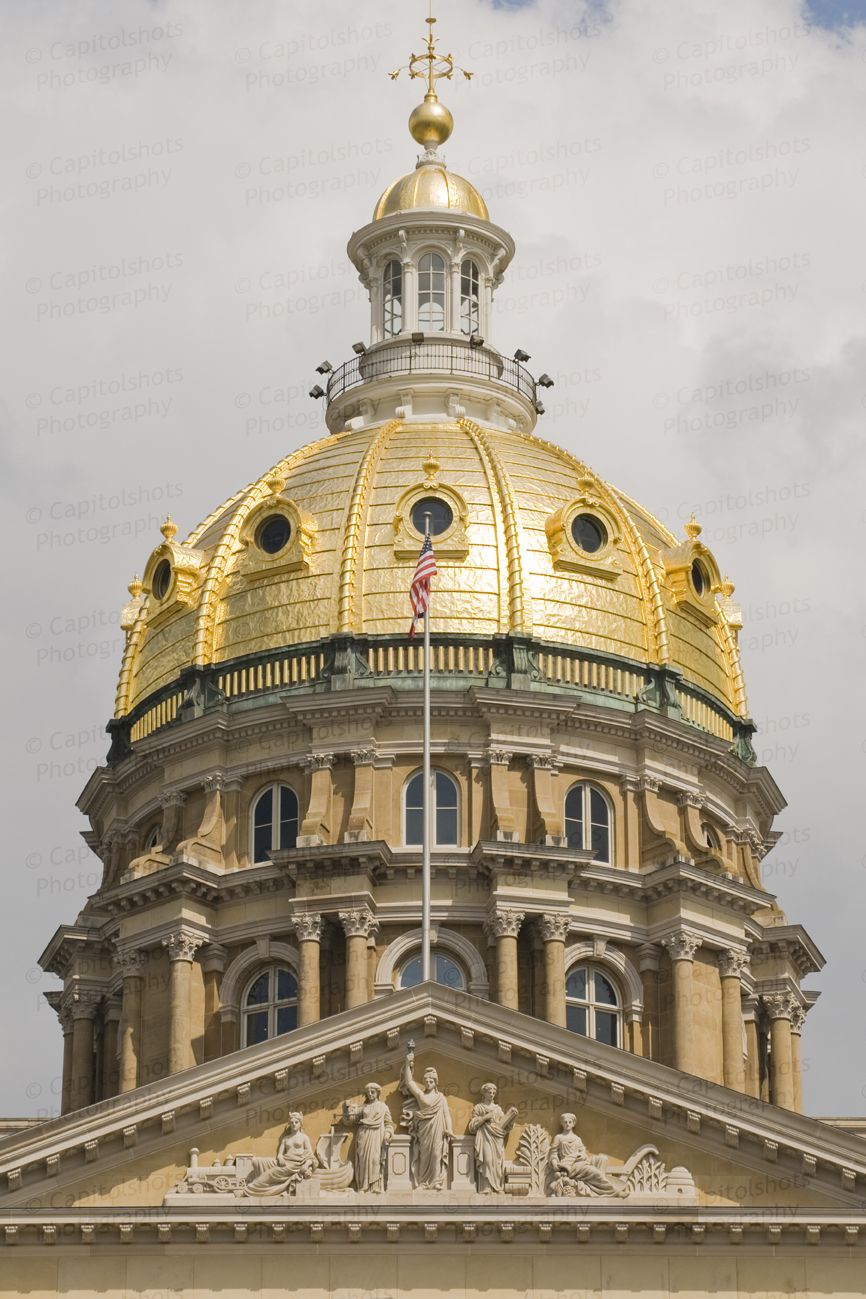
{"x":432,"y":358}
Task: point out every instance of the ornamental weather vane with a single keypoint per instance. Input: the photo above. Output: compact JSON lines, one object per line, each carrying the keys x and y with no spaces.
{"x":439,"y":66}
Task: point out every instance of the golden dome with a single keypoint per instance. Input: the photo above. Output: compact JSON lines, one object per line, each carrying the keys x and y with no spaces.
{"x":431,"y":186}
{"x":510,"y":562}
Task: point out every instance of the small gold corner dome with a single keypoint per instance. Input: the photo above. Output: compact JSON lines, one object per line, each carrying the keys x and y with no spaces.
{"x":431,"y":187}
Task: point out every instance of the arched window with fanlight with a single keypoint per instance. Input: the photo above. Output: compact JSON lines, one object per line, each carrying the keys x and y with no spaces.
{"x":444,"y":819}
{"x":470,"y":298}
{"x":431,"y":292}
{"x":274,"y":821}
{"x":445,"y":970}
{"x":269,"y":1006}
{"x":593,"y":1006}
{"x":588,"y":821}
{"x":392,"y":299}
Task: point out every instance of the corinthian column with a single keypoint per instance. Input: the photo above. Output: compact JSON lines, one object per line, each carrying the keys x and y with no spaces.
{"x":131,"y":965}
{"x":308,"y":927}
{"x":181,"y":948}
{"x":65,"y":1016}
{"x":503,"y":924}
{"x":732,"y":965}
{"x":554,"y":927}
{"x":83,"y":1010}
{"x":780,"y":1008}
{"x":798,"y":1019}
{"x":681,"y":948}
{"x":358,"y":924}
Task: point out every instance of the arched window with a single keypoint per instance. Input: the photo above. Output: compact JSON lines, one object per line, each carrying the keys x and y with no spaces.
{"x":431,"y":292}
{"x":445,"y":970}
{"x":711,"y":838}
{"x":587,"y":821}
{"x":392,"y":299}
{"x":444,"y":814}
{"x":470,"y":298}
{"x":592,"y":1005}
{"x":270,"y":1005}
{"x":275,"y":821}
{"x":152,"y":838}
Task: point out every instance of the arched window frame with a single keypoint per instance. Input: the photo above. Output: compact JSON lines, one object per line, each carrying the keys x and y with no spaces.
{"x":591,"y":1005}
{"x":153,"y":838}
{"x":392,"y":298}
{"x":275,"y":788}
{"x":402,"y":949}
{"x":470,"y":297}
{"x":436,"y":773}
{"x":588,"y":787}
{"x":425,"y":325}
{"x":273,"y":1005}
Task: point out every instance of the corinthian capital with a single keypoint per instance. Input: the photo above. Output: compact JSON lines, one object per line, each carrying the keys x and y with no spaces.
{"x":798,"y":1017}
{"x":130,"y":962}
{"x":504,"y":922}
{"x":681,"y":946}
{"x":319,"y":762}
{"x":499,"y":756}
{"x":554,"y":927}
{"x":733,"y":963}
{"x":172,"y":798}
{"x":308,"y":927}
{"x":780,"y":1005}
{"x":183,"y":945}
{"x":359,"y":922}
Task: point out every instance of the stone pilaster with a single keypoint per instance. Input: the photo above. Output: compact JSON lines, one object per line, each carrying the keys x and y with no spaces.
{"x":648,"y":958}
{"x":360,"y":825}
{"x":733,"y":964}
{"x":503,"y":926}
{"x":681,"y":948}
{"x":548,"y":802}
{"x":308,"y":927}
{"x":213,"y":963}
{"x":553,"y":928}
{"x":65,"y":1016}
{"x":181,"y":947}
{"x":358,"y":925}
{"x":110,"y":1046}
{"x":753,"y":1061}
{"x":504,"y":825}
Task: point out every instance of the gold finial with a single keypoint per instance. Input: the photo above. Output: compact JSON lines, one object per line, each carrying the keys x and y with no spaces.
{"x":431,"y":469}
{"x":135,"y":588}
{"x":276,"y":482}
{"x":431,"y":123}
{"x":727,"y":587}
{"x":169,"y":528}
{"x":692,"y":529}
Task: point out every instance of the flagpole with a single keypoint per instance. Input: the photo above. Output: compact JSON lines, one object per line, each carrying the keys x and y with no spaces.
{"x":426,"y":973}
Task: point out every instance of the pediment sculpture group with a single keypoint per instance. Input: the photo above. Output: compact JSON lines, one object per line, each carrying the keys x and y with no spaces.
{"x":560,"y":1166}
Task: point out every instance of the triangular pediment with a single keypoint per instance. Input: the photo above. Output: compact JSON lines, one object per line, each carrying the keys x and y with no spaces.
{"x":728,"y":1151}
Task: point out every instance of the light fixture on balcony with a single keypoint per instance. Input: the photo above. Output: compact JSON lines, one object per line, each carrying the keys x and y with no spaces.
{"x":359,"y":348}
{"x":418,"y":338}
{"x":324,"y":368}
{"x":317,"y":392}
{"x":539,"y":409}
{"x":475,"y":340}
{"x":544,"y":381}
{"x":520,"y":355}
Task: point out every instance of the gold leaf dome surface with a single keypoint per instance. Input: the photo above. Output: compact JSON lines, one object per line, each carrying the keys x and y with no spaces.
{"x":431,"y":186}
{"x":503,"y":574}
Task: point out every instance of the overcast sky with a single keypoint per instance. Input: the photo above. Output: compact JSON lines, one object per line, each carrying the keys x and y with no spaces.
{"x":686,"y":188}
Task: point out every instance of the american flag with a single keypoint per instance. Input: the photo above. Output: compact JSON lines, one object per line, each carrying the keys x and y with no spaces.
{"x":419,"y":591}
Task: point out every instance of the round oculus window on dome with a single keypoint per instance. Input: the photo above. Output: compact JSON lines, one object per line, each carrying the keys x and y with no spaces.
{"x":161,"y":579}
{"x":441,"y":515}
{"x":589,"y":533}
{"x":273,"y":533}
{"x":700,"y":581}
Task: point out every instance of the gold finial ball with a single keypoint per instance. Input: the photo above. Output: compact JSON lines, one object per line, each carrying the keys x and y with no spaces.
{"x":431,"y":123}
{"x":135,"y":588}
{"x":693,"y":529}
{"x":169,"y":528}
